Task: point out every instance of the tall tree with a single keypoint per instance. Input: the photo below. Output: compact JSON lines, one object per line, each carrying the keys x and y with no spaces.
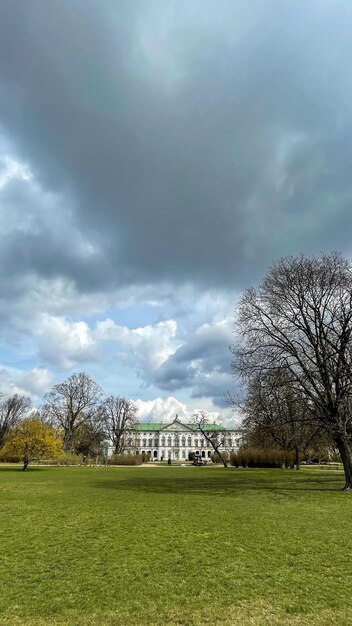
{"x":73,"y":403}
{"x":120,"y":416}
{"x":300,"y":320}
{"x":12,"y":410}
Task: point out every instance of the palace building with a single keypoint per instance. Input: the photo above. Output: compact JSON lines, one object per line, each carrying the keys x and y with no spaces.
{"x":177,"y":439}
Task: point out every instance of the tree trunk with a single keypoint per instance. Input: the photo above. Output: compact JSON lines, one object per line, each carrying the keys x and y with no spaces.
{"x":221,"y":457}
{"x":346,"y":458}
{"x":67,"y":440}
{"x":117,"y":444}
{"x":297,"y":458}
{"x":25,"y":463}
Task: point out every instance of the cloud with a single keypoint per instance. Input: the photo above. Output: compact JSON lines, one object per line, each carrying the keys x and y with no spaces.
{"x":163,"y":152}
{"x":36,"y":382}
{"x":165,"y":411}
{"x":202,"y":363}
{"x":147,"y":347}
{"x":33,"y":383}
{"x":65,"y":343}
{"x":180,"y":136}
{"x":166,"y":360}
{"x":161,"y":410}
{"x":12,"y":170}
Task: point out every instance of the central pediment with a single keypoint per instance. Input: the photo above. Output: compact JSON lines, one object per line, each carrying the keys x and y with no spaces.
{"x":176,"y":426}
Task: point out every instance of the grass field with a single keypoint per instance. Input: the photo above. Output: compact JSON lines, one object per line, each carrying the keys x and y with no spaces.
{"x":174,"y":546}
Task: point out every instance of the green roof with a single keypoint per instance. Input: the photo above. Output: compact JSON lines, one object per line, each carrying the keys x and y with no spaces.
{"x":207,"y":427}
{"x":149,"y":426}
{"x":152,"y":426}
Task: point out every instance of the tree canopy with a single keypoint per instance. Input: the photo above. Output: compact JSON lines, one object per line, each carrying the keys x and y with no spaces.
{"x":119,"y":416}
{"x":76,"y":401}
{"x":31,"y":439}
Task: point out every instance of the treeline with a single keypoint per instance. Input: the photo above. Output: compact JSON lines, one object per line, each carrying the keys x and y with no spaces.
{"x":73,"y":423}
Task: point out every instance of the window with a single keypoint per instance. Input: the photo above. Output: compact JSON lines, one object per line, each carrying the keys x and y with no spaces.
{"x":183,"y":441}
{"x":156,"y":443}
{"x":163,"y":440}
{"x":183,"y":454}
{"x":196,"y":443}
{"x":169,"y":441}
{"x":189,"y":441}
{"x":150,"y":443}
{"x":144,"y":443}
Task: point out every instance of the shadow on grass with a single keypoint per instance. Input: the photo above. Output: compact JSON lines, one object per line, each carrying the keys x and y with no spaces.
{"x":227,"y":485}
{"x":19,"y":468}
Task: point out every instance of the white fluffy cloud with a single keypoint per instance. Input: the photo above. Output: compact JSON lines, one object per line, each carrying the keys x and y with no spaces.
{"x":161,"y":410}
{"x":34,"y":383}
{"x":65,"y":343}
{"x":37,"y":381}
{"x":165,"y":410}
{"x":148,"y":346}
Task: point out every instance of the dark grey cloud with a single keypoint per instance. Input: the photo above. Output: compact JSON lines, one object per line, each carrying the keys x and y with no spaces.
{"x":39,"y":237}
{"x":202,"y":364}
{"x":194,"y":141}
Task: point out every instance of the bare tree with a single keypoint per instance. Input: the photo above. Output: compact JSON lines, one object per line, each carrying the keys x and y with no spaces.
{"x":120,"y":416}
{"x":215,"y":436}
{"x":71,"y":404}
{"x":89,"y":439}
{"x":12,"y":410}
{"x":278,"y":413}
{"x":300,"y":320}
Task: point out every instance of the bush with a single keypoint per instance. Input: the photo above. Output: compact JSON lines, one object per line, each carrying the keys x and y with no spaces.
{"x":67,"y":458}
{"x":262,"y":457}
{"x":126,"y":459}
{"x":191,"y":456}
{"x":145,"y":457}
{"x":216,"y":458}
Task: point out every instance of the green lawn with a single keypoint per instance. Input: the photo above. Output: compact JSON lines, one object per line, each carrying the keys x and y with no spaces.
{"x":174,"y":546}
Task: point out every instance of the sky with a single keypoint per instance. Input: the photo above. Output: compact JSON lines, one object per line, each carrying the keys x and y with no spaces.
{"x":156,"y":156}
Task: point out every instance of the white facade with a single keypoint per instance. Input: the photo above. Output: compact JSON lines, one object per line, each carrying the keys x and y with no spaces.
{"x":176,"y":440}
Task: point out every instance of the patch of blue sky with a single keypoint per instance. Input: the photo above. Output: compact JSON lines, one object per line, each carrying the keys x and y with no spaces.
{"x":18,"y":356}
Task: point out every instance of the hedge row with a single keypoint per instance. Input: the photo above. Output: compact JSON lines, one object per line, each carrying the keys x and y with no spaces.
{"x":258,"y":457}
